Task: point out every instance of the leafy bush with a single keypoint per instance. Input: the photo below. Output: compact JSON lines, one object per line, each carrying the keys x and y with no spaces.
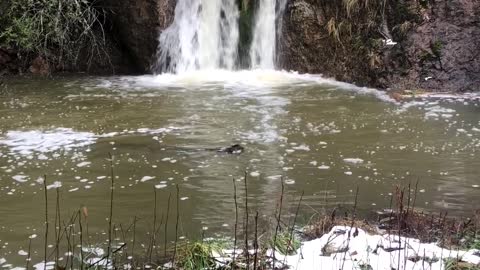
{"x":58,"y":30}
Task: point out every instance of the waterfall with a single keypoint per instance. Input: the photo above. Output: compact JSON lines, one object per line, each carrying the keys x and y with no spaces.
{"x":267,"y":26}
{"x":205,"y":35}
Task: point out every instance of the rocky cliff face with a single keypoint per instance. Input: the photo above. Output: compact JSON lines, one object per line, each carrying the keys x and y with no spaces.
{"x":436,"y":45}
{"x":136,"y":25}
{"x":444,"y":50}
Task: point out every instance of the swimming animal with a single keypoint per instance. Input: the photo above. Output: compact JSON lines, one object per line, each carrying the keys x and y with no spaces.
{"x":234,"y":149}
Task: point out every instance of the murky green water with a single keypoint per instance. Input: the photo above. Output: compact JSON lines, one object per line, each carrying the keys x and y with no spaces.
{"x":319,"y":136}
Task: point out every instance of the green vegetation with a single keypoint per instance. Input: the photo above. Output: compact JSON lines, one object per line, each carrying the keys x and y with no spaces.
{"x":60,"y":31}
{"x":199,"y":255}
{"x":455,"y":264}
{"x":286,"y":243}
{"x":434,"y":54}
{"x":357,"y":29}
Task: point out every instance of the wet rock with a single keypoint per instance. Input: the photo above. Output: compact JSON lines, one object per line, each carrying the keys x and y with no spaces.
{"x":8,"y":62}
{"x":40,"y":66}
{"x":137,"y":24}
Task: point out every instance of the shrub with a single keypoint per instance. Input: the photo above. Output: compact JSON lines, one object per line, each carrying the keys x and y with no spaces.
{"x":59,"y":30}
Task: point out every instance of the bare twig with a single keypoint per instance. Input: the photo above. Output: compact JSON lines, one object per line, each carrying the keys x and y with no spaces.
{"x":255,"y":243}
{"x":176,"y":225}
{"x":236,"y":223}
{"x":46,"y":221}
{"x":277,"y":228}
{"x":112,"y":176}
{"x":247,"y":255}
{"x":166,"y":224}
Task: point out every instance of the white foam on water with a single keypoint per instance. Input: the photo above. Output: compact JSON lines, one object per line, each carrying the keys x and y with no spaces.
{"x":20,"y":178}
{"x":147,"y":178}
{"x":255,"y":174}
{"x":242,"y":79}
{"x":56,"y":184}
{"x":43,"y":265}
{"x":289,"y":181}
{"x":354,"y":161}
{"x":261,"y":86}
{"x":302,"y":147}
{"x":28,"y":142}
{"x":83,"y":164}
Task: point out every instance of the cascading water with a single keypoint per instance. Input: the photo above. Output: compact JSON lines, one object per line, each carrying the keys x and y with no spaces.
{"x":205,"y":35}
{"x":263,"y":49}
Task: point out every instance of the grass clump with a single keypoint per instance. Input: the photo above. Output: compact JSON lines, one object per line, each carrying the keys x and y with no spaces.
{"x":286,"y":243}
{"x":199,"y":255}
{"x":456,"y":264}
{"x":60,"y":31}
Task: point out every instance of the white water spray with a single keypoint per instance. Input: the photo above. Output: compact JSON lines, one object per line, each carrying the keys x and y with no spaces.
{"x":263,"y":49}
{"x":203,"y":35}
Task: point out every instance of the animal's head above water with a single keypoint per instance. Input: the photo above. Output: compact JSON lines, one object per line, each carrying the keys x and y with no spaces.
{"x":234,"y":149}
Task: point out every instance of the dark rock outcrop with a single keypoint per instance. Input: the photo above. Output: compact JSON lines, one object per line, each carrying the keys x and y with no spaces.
{"x":136,"y":25}
{"x":40,"y":66}
{"x":8,"y":62}
{"x":444,"y":51}
{"x":437,"y":50}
